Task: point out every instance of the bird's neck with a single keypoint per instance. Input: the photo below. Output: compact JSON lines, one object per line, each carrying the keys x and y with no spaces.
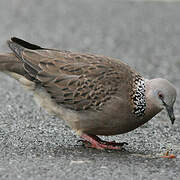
{"x":151,"y":108}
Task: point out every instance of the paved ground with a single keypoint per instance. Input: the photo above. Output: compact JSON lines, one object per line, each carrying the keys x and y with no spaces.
{"x":34,"y":145}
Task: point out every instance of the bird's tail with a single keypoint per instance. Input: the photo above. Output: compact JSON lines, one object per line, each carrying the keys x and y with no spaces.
{"x":10,"y":63}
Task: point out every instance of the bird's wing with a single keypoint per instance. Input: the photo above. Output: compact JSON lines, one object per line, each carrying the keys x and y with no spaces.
{"x":76,"y":81}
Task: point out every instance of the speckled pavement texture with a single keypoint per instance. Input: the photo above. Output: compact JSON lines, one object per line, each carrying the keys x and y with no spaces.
{"x":146,"y":35}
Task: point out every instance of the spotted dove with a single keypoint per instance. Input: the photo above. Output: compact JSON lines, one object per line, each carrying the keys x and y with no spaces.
{"x":95,"y":95}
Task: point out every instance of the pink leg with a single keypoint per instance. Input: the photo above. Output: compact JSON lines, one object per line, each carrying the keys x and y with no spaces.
{"x":93,"y":141}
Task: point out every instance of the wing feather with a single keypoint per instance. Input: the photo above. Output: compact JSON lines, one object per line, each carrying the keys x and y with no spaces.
{"x":76,"y":81}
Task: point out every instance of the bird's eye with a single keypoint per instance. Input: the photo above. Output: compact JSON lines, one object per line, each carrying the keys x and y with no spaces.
{"x":161,"y":96}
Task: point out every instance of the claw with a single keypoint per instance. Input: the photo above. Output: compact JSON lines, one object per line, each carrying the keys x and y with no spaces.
{"x":93,"y":141}
{"x":114,"y":143}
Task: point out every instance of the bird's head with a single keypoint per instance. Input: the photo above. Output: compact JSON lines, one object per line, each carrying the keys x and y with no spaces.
{"x":163,"y":95}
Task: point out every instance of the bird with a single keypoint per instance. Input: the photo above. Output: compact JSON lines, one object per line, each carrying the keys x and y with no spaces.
{"x":94,"y":94}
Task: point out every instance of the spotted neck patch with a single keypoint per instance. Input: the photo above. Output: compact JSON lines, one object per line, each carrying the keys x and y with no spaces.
{"x":138,"y":96}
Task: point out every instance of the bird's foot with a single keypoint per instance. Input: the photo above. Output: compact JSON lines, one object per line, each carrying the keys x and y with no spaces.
{"x":114,"y":143}
{"x":93,"y":141}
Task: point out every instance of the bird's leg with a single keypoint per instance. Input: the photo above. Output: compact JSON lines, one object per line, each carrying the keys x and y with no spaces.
{"x":114,"y":143}
{"x":93,"y":141}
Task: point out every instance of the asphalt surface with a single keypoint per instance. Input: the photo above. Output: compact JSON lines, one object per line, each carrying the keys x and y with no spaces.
{"x":146,"y":35}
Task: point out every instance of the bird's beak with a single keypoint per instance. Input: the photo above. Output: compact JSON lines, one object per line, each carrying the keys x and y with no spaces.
{"x":170,"y":112}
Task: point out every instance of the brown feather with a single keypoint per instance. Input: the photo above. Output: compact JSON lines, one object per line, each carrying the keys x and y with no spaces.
{"x":91,"y":80}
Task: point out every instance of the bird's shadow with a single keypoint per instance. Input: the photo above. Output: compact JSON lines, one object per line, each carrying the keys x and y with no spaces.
{"x":81,"y":152}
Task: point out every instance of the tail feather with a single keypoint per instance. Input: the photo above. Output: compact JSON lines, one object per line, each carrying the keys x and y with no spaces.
{"x":10,"y":63}
{"x":25,"y":44}
{"x":14,"y":65}
{"x":18,"y":45}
